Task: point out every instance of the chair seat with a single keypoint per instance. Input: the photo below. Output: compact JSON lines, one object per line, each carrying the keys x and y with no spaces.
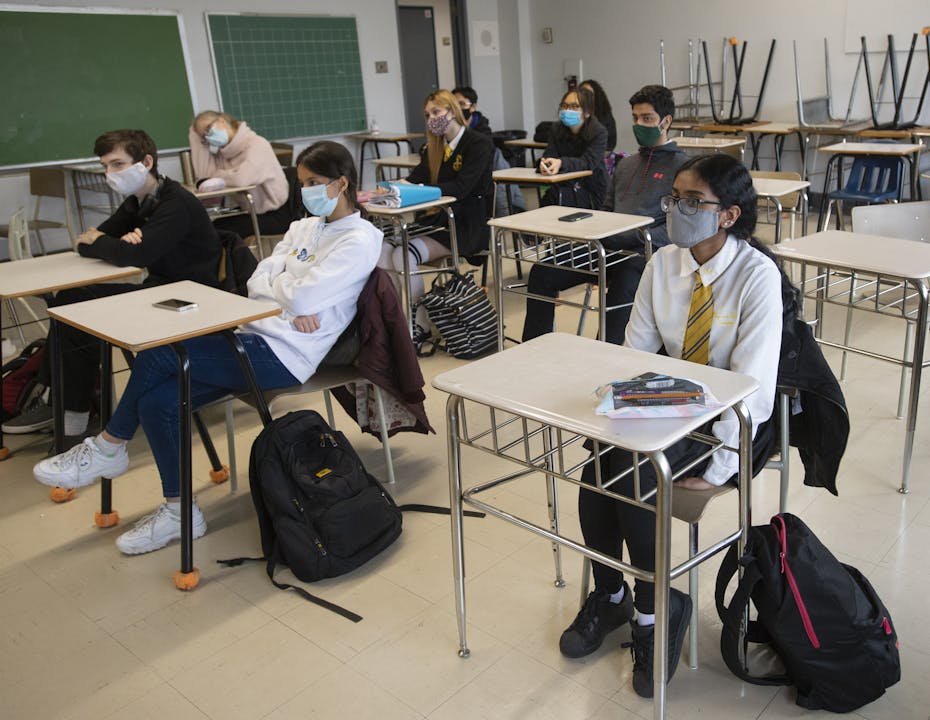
{"x":33,"y":225}
{"x":689,"y":505}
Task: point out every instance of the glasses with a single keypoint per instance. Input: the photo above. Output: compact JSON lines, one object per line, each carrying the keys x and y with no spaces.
{"x":569,"y":106}
{"x":686,"y":206}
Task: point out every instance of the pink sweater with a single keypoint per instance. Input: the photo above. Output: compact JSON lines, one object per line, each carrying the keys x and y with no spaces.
{"x":247,"y":159}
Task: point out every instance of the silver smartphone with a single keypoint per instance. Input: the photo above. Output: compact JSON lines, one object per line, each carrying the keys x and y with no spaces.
{"x":176,"y":304}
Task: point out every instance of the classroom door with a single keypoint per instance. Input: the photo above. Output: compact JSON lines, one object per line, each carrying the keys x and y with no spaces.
{"x":419,"y":68}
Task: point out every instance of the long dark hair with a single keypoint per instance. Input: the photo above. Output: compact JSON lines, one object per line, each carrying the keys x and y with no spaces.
{"x":602,"y":108}
{"x":330,"y":159}
{"x":731,"y":182}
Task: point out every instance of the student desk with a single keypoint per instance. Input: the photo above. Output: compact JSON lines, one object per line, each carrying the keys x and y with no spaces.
{"x":529,"y":176}
{"x":90,"y":178}
{"x":565,"y":245}
{"x":49,"y":274}
{"x":377,"y":139}
{"x":908,"y":154}
{"x":735,"y":146}
{"x":528,"y":144}
{"x":402,"y":222}
{"x":829,"y":259}
{"x":131,"y":322}
{"x":775,"y":190}
{"x":244,"y":195}
{"x":532,"y":405}
{"x":756,"y":132}
{"x":400,"y":162}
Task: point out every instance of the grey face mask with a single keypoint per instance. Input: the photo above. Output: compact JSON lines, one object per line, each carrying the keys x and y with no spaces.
{"x":686,"y":231}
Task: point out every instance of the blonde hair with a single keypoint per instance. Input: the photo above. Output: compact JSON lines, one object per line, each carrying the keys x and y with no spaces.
{"x":211,"y":115}
{"x":435,"y":144}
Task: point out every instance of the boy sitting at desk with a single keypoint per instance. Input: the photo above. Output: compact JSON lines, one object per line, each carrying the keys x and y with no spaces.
{"x":638,"y":182}
{"x":160,"y":227}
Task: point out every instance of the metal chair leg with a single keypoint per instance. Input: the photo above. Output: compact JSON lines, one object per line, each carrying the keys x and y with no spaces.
{"x":385,"y":439}
{"x":693,"y":592}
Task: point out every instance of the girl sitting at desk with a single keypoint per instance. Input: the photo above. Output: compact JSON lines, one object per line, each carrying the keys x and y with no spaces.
{"x":458,"y":161}
{"x":315,"y":274}
{"x":577,"y":142}
{"x":710,"y":298}
{"x":226,"y":148}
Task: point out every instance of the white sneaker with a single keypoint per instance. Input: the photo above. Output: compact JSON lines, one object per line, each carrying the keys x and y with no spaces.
{"x":155,"y":531}
{"x":81,"y":465}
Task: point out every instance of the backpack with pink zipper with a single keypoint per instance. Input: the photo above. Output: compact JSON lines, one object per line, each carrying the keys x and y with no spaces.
{"x":823,"y":619}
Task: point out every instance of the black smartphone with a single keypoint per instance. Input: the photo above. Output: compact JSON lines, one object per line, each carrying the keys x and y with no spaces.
{"x":574,"y":217}
{"x":176,"y":304}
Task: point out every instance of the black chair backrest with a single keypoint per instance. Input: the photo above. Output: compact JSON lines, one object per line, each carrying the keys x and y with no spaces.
{"x":237,"y":263}
{"x":295,"y":203}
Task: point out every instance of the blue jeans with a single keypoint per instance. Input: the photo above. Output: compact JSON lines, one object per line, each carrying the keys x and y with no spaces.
{"x":151,"y":396}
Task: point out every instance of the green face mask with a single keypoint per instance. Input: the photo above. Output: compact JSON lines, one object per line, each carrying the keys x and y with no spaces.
{"x":647,"y":135}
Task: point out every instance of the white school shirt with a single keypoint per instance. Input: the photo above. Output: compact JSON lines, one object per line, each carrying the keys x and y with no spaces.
{"x":745,"y":336}
{"x":319,"y":268}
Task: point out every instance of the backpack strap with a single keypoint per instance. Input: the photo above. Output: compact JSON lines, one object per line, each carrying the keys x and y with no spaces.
{"x":732,"y":618}
{"x":436,"y":510}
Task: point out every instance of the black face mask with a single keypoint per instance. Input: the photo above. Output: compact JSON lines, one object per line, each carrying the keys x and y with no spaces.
{"x":466,"y":113}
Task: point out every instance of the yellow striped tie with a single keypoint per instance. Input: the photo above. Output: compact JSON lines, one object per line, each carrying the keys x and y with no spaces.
{"x":696,"y":347}
{"x":448,"y":153}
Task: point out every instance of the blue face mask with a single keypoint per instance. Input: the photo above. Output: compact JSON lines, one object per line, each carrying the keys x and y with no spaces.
{"x":570,"y":118}
{"x":216,"y":138}
{"x":317,"y":201}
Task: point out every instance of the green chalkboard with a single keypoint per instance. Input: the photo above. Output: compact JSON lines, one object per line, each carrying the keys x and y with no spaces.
{"x":289,"y":76}
{"x":68,"y":77}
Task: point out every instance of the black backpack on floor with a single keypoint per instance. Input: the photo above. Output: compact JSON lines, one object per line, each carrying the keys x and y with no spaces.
{"x":319,"y":512}
{"x":822,"y":617}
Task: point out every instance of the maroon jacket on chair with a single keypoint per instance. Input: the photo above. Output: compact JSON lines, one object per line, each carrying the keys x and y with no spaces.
{"x":387,"y":356}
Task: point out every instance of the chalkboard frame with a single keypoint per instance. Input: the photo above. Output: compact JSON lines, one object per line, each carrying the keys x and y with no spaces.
{"x":68,"y":149}
{"x":343,"y":89}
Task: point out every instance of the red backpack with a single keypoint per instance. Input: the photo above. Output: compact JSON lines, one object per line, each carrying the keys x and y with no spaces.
{"x":20,"y":378}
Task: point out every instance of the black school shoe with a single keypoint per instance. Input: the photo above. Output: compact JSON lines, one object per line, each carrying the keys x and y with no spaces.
{"x":597,"y":617}
{"x":642,"y":647}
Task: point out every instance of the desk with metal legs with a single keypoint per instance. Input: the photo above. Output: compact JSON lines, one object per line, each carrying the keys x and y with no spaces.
{"x":775,"y":190}
{"x":570,"y":246}
{"x":402,"y":222}
{"x":832,"y":263}
{"x":244,"y":193}
{"x":130,"y":321}
{"x":532,"y":405}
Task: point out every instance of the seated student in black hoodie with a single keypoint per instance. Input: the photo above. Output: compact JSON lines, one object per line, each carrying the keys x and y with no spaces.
{"x":468,"y":102}
{"x":603,"y":111}
{"x":161,"y":227}
{"x":458,"y":161}
{"x":577,"y":142}
{"x":639,"y":182}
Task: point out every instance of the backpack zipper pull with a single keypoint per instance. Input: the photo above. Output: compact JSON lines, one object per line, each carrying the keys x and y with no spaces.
{"x":886,"y":626}
{"x":297,"y":505}
{"x":781,"y":556}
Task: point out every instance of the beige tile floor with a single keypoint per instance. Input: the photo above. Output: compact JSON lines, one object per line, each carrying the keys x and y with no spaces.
{"x":88,"y":633}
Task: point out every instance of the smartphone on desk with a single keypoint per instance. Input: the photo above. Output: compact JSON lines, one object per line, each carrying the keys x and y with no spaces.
{"x":176,"y":305}
{"x":575,"y":217}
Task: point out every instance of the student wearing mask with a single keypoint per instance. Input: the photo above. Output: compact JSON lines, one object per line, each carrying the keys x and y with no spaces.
{"x":458,"y":161}
{"x":577,"y":142}
{"x":710,"y":298}
{"x":315,"y":274}
{"x":226,"y":148}
{"x":160,"y":226}
{"x":638,"y":184}
{"x":475,"y":120}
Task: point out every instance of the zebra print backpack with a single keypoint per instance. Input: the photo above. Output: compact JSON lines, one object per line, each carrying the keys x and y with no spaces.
{"x":463,"y":315}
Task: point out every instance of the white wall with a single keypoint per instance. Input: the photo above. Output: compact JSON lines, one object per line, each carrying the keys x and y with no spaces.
{"x":618,"y":43}
{"x":377,"y":30}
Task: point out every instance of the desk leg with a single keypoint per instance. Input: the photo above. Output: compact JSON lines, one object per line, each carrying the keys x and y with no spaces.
{"x":745,"y":501}
{"x":497,"y":242}
{"x":255,"y":229}
{"x":755,"y":142}
{"x":57,"y":494}
{"x":188,"y":576}
{"x":249,"y":373}
{"x":663,"y":566}
{"x":400,"y":228}
{"x":453,"y":407}
{"x":516,"y":239}
{"x":552,"y":502}
{"x":107,"y":517}
{"x":4,"y":450}
{"x":917,"y":363}
{"x":778,"y":212}
{"x":601,"y":292}
{"x":828,"y":171}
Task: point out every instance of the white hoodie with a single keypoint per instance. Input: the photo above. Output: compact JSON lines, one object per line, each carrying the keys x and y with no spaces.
{"x":319,"y":268}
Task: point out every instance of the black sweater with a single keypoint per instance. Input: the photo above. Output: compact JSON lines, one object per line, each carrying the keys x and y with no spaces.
{"x":178,"y":239}
{"x":584,"y":151}
{"x":466,"y":175}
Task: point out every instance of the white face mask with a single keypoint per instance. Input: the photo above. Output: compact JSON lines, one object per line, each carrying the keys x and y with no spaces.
{"x":686,"y":231}
{"x":128,"y":181}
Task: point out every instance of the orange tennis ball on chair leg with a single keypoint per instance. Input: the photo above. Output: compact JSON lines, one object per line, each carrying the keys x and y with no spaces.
{"x":105,"y":520}
{"x":61,"y":495}
{"x":186,"y":581}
